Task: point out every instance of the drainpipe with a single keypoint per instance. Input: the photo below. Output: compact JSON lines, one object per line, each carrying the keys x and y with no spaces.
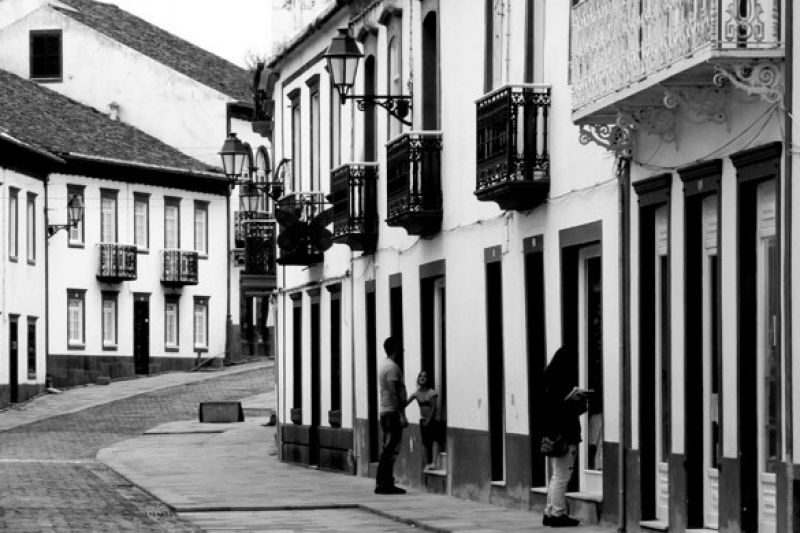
{"x":787,"y":268}
{"x":623,"y":171}
{"x":353,"y":395}
{"x":46,"y":284}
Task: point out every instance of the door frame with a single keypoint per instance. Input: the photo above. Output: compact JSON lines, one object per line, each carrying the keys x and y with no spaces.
{"x":138,"y":299}
{"x":13,"y":358}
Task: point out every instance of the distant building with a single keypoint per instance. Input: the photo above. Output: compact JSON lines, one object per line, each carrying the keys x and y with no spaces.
{"x":136,"y":286}
{"x":139,"y":74}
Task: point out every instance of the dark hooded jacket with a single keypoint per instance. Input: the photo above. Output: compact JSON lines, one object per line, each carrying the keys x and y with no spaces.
{"x":560,"y":416}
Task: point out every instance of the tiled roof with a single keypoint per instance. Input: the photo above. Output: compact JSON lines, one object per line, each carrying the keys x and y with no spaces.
{"x":162,"y":46}
{"x":44,"y":118}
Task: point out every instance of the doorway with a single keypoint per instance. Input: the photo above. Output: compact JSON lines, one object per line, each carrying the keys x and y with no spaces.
{"x":316,"y":397}
{"x":255,"y":332}
{"x":590,"y":358}
{"x":372,"y":375}
{"x":13,"y":361}
{"x":537,"y":359}
{"x":141,"y":334}
{"x":433,"y":328}
{"x":496,"y":381}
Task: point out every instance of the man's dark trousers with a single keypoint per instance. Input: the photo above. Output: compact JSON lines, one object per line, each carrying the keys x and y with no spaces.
{"x":392,"y":436}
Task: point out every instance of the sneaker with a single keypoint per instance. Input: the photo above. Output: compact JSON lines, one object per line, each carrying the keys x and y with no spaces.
{"x":546,"y":520}
{"x":561,"y":521}
{"x":389,"y":490}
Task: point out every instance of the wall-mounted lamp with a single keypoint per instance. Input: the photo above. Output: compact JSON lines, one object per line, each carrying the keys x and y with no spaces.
{"x":74,"y":215}
{"x":234,"y":154}
{"x":343,"y":55}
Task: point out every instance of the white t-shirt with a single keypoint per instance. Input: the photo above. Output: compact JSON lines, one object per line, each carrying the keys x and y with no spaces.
{"x":388,"y":374}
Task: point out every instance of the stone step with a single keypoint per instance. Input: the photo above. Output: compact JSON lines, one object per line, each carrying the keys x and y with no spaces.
{"x":588,"y":507}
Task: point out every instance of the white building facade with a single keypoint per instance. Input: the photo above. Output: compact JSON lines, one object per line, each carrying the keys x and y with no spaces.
{"x":492,"y":241}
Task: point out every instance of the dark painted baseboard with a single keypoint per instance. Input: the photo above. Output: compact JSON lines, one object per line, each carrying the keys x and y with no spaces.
{"x":68,"y":370}
{"x":336,"y":449}
{"x":25,"y":391}
{"x":730,"y":495}
{"x":677,"y":492}
{"x":468,"y":452}
{"x":633,"y":491}
{"x":609,"y":510}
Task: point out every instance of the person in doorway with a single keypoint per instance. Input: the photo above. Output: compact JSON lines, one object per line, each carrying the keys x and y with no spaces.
{"x":427,"y":399}
{"x":564,"y":403}
{"x":393,"y":419}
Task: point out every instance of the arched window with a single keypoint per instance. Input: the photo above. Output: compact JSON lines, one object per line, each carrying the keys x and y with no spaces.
{"x":370,"y":130}
{"x":394,"y":80}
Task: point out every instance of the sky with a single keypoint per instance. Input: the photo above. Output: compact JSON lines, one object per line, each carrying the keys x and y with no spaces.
{"x":229,"y":28}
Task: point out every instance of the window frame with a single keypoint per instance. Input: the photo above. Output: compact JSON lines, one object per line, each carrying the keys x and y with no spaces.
{"x":140,"y":198}
{"x":112,"y":195}
{"x":78,"y":295}
{"x":172,"y":299}
{"x":314,"y":133}
{"x":170,"y":202}
{"x":13,"y":224}
{"x":200,"y":302}
{"x":80,"y":227}
{"x":201,"y":206}
{"x":30,"y":227}
{"x":33,"y":34}
{"x":296,"y":140}
{"x":109,"y":296}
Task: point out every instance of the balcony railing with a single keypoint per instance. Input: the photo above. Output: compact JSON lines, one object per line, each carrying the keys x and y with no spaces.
{"x":179,"y":267}
{"x":413,"y":187}
{"x":618,"y":43}
{"x":303,"y":236}
{"x":355,"y":212}
{"x":117,"y":262}
{"x":259,"y":246}
{"x":513,"y":161}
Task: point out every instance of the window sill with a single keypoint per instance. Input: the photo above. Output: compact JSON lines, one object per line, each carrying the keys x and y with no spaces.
{"x":202,"y":256}
{"x":12,"y":258}
{"x":76,"y":346}
{"x":499,"y":483}
{"x":31,"y":377}
{"x":47,"y":80}
{"x":76,"y":244}
{"x":32,"y":262}
{"x":145,"y":251}
{"x":202,"y":349}
{"x":109,"y":347}
{"x":172,"y":349}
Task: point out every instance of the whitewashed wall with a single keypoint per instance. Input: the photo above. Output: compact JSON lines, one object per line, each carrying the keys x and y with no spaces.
{"x":23,"y":284}
{"x":76,"y":268}
{"x":153,"y":97}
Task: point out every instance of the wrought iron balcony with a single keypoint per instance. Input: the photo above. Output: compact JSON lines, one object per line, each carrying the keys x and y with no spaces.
{"x":513,"y":161}
{"x":413,"y":186}
{"x":259,"y":245}
{"x":303,"y":236}
{"x":117,"y":262}
{"x":355,"y":205}
{"x":629,"y":51}
{"x":179,"y":267}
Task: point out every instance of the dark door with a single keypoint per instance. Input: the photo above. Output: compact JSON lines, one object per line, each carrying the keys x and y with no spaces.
{"x":141,"y":336}
{"x":13,"y":366}
{"x":316,"y":398}
{"x":372,"y":377}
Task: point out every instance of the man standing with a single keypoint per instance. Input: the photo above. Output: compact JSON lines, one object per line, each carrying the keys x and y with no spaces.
{"x":393,"y":419}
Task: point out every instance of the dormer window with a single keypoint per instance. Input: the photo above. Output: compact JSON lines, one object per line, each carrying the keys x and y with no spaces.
{"x":45,"y":55}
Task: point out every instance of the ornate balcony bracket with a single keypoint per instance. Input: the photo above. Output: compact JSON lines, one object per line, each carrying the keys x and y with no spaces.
{"x":764,"y":79}
{"x":397,"y":106}
{"x":653,"y":119}
{"x":708,"y":104}
{"x":612,"y":137}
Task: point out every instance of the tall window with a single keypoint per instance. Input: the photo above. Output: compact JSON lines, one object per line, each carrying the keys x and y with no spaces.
{"x":430,"y":72}
{"x":201,"y":227}
{"x":172,"y":227}
{"x":75,"y":232}
{"x":13,"y":218}
{"x":262,"y":168}
{"x":394,"y":81}
{"x":30,"y":227}
{"x":45,"y":55}
{"x":141,"y":221}
{"x":109,"y":320}
{"x":108,"y":216}
{"x":31,"y":347}
{"x":314,"y":130}
{"x":297,"y":141}
{"x":200,"y":322}
{"x":496,"y":28}
{"x":336,"y":128}
{"x":75,"y":318}
{"x":171,"y":317}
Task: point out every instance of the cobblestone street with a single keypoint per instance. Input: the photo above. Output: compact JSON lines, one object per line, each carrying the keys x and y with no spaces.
{"x":51,"y":481}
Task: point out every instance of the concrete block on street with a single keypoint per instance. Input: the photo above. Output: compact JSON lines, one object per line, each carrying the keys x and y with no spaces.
{"x":103,"y":380}
{"x":221,"y":412}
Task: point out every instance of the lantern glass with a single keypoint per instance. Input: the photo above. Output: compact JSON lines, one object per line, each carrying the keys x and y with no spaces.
{"x":250,"y":196}
{"x":75,"y":211}
{"x":233,"y":156}
{"x":342,"y":56}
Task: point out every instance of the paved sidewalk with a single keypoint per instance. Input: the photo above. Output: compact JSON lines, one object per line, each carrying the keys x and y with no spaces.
{"x":79,"y":398}
{"x":226,"y":477}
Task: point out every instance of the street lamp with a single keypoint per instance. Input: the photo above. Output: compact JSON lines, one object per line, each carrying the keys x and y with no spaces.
{"x":343,"y":55}
{"x":74,"y":215}
{"x":233,"y":155}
